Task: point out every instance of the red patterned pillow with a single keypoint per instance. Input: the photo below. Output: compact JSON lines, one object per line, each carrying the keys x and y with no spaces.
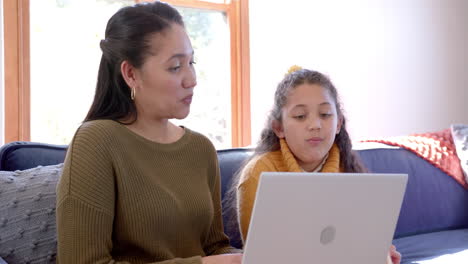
{"x":435,"y":147}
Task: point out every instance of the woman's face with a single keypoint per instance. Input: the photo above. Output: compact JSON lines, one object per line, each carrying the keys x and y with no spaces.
{"x":309,"y":124}
{"x":164,"y":83}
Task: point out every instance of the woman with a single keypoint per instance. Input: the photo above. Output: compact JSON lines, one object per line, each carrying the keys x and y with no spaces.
{"x":135,"y":187}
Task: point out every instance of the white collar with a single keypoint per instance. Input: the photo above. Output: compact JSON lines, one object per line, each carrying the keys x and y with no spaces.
{"x":320,"y":166}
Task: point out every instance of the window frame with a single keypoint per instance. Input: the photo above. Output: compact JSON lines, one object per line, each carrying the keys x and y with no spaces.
{"x":17,"y":70}
{"x":18,"y":78}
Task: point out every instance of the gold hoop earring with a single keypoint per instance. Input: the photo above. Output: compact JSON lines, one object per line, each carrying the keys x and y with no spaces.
{"x":132,"y":93}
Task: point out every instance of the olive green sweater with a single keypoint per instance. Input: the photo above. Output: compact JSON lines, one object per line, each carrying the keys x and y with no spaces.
{"x":125,"y":199}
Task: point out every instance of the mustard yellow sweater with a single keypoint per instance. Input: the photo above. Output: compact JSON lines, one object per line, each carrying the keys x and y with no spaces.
{"x":280,"y":160}
{"x":125,"y":199}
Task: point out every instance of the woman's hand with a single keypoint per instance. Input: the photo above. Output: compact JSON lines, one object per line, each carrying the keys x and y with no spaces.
{"x":223,"y":259}
{"x":394,"y":257}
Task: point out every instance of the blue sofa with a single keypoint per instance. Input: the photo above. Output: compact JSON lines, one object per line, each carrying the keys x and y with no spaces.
{"x":433,"y":222}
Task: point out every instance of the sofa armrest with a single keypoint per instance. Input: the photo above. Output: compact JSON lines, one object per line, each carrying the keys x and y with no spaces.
{"x":22,"y":155}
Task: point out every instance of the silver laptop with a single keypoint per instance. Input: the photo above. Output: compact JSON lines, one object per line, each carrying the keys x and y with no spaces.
{"x":324,"y":218}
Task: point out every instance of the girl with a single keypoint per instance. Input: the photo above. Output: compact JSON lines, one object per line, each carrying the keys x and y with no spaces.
{"x":306,"y":131}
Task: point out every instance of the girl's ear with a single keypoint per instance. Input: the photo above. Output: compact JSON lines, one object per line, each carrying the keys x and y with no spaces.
{"x":339,"y":124}
{"x":277,"y":128}
{"x":129,"y":74}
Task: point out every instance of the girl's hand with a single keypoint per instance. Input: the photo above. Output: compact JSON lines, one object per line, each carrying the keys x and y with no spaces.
{"x":223,"y":259}
{"x":394,"y":257}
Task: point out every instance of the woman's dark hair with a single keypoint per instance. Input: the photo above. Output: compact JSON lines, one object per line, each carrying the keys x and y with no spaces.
{"x":270,"y":142}
{"x":127,"y":37}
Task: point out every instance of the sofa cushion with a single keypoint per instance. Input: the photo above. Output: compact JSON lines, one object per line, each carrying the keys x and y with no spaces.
{"x":434,"y":248}
{"x":27,"y":214}
{"x":433,"y":200}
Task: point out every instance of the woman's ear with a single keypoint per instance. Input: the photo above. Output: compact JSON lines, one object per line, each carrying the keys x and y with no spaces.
{"x":339,"y":124}
{"x":277,"y":128}
{"x":128,"y":74}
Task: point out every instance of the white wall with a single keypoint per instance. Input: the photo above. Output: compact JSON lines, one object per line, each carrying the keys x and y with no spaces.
{"x":2,"y":94}
{"x":401,"y":66}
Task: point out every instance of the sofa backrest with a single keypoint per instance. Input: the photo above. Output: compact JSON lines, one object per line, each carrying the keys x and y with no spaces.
{"x":230,"y":160}
{"x":433,"y":200}
{"x":22,"y":155}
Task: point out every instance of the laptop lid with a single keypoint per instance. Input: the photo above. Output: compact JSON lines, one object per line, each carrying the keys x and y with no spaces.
{"x":324,"y":218}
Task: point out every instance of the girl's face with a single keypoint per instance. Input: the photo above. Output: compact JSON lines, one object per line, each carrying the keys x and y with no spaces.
{"x":165,"y":82}
{"x":309,"y":124}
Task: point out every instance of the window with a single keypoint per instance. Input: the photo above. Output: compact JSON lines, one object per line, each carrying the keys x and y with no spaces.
{"x":64,"y":58}
{"x":209,"y":32}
